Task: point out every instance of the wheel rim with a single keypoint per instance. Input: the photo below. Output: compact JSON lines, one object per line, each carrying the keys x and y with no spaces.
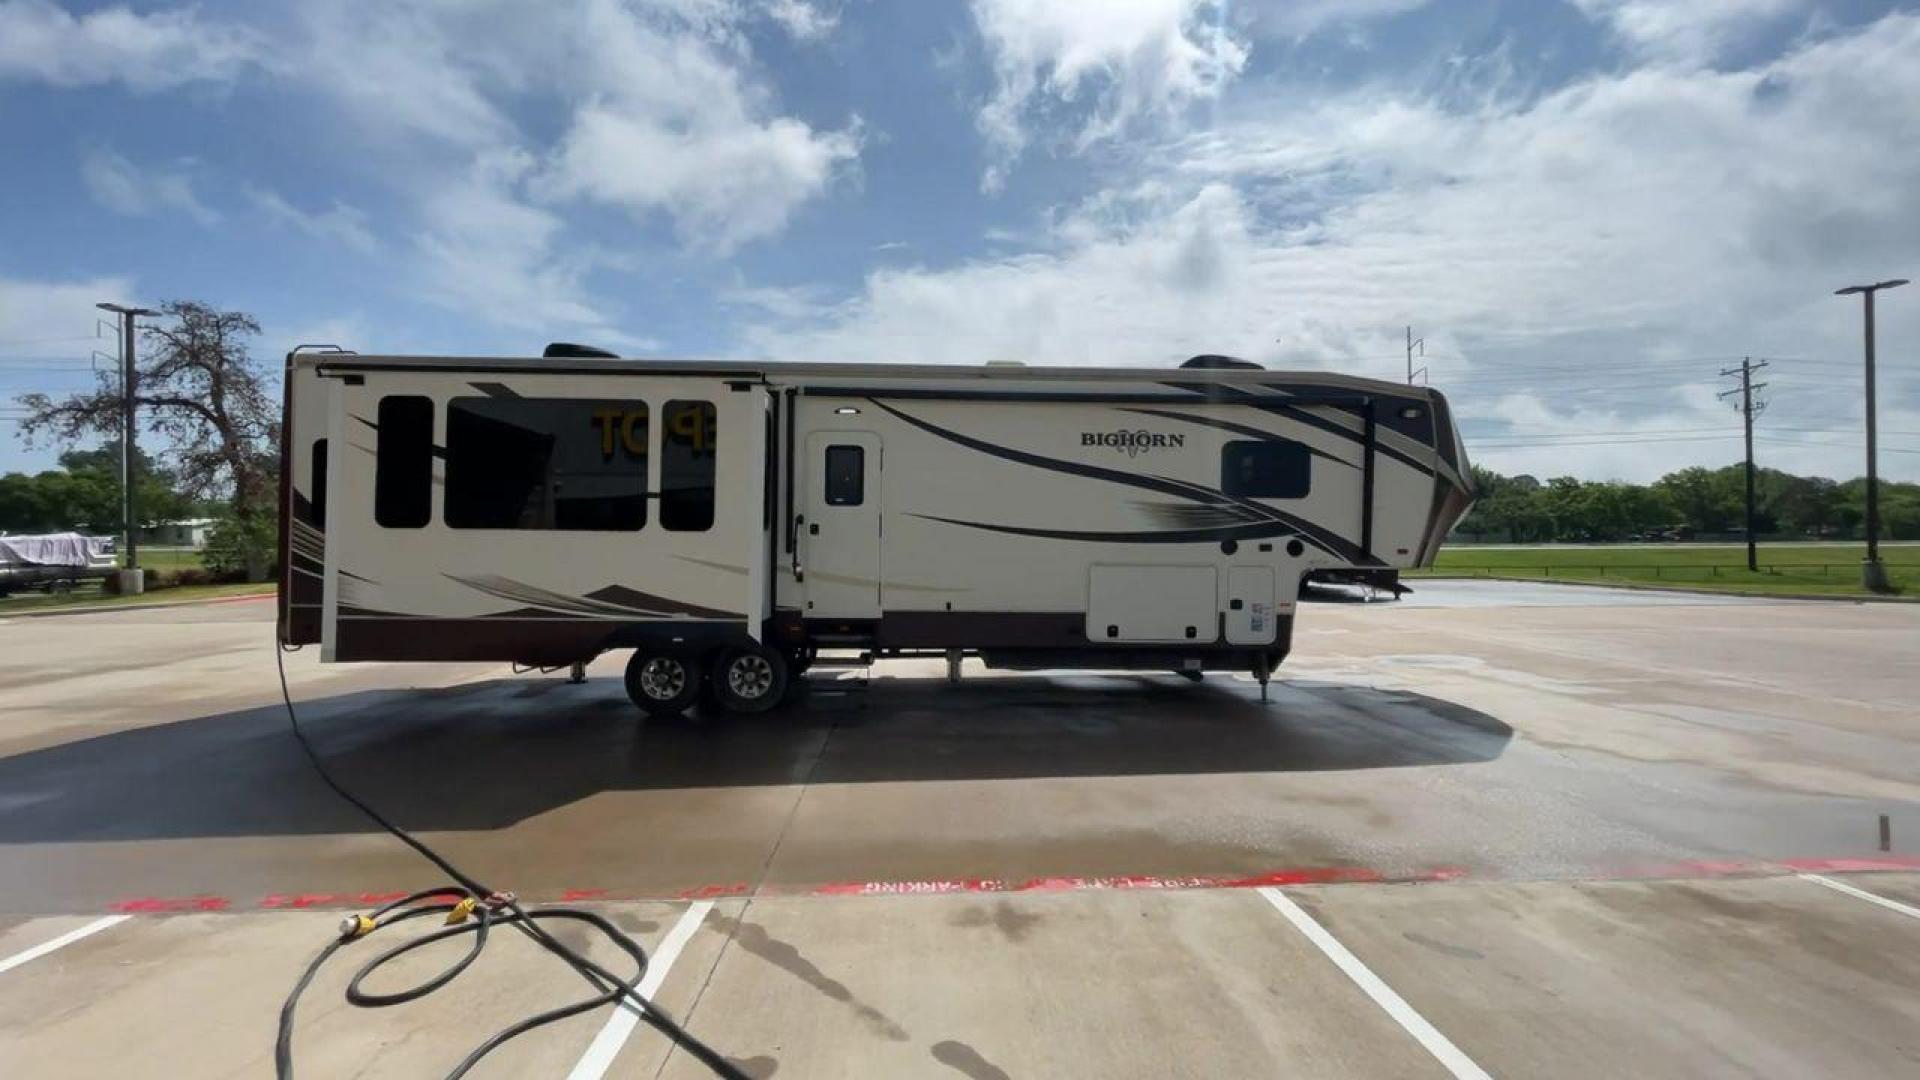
{"x":663,"y":678}
{"x":750,"y":676}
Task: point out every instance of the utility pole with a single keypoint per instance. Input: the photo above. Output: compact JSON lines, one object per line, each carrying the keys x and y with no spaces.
{"x":128,"y":385}
{"x":1747,"y":413}
{"x":1422,"y":343}
{"x":1873,"y":574}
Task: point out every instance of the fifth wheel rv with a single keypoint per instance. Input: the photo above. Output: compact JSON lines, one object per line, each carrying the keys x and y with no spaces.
{"x":724,"y":521}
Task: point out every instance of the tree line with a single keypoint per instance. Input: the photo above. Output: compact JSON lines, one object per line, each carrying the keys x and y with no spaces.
{"x":1691,"y":503}
{"x":83,"y":494}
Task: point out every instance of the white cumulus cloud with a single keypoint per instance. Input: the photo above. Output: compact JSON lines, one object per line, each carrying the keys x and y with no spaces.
{"x":339,"y":223}
{"x":673,"y":127}
{"x":1091,"y":70}
{"x":1686,"y":30}
{"x":42,"y":41}
{"x":651,"y":107}
{"x":141,"y":190}
{"x":805,"y":21}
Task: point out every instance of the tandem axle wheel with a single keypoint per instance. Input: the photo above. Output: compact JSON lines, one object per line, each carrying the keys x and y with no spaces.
{"x":666,"y":681}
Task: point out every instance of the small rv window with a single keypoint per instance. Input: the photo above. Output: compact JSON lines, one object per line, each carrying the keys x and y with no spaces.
{"x":687,"y":449}
{"x":317,"y":484}
{"x":1278,"y":469}
{"x":576,"y":464}
{"x":846,"y":475}
{"x":403,"y":462}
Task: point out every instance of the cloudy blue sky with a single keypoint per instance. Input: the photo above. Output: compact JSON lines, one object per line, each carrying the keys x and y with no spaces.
{"x":1587,"y":208}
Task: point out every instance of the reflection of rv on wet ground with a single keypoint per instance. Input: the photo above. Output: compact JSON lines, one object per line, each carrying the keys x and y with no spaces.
{"x":52,"y":560}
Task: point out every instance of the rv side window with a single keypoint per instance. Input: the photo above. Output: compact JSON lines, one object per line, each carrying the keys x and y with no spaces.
{"x":403,"y":462}
{"x":1279,"y":469}
{"x":575,"y":464}
{"x":317,"y":484}
{"x":688,"y":444}
{"x":846,"y":475}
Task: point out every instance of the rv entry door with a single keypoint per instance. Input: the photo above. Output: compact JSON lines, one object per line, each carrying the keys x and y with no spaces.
{"x":840,"y":542}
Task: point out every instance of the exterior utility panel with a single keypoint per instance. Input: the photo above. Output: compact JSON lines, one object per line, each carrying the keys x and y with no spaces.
{"x":547,"y":510}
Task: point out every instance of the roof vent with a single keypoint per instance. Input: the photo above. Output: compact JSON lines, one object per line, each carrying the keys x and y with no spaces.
{"x":569,"y":349}
{"x":1229,"y":363}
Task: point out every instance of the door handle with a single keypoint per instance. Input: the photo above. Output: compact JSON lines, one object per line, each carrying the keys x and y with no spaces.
{"x":798,"y":574}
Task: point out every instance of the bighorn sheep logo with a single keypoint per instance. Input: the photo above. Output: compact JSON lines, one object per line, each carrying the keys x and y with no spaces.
{"x":1131,"y":443}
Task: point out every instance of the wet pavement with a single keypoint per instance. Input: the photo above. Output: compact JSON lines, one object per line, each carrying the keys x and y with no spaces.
{"x":1553,"y":819}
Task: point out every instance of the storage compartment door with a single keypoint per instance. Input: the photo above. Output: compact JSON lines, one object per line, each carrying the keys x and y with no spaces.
{"x":1163,"y":605}
{"x":1250,"y":608}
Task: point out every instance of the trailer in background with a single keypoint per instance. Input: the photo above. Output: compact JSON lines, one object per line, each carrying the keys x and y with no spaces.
{"x":53,"y":561}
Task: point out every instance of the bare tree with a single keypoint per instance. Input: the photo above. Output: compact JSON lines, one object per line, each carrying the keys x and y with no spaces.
{"x":198,"y":386}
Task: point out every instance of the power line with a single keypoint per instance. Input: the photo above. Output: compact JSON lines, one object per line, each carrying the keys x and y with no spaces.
{"x":1612,"y":376}
{"x":45,"y":340}
{"x":1555,"y":433}
{"x":1598,"y":442}
{"x":1560,"y":434}
{"x":1842,"y":446}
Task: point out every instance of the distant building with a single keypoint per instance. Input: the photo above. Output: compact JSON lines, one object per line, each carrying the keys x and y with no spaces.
{"x":189,"y":533}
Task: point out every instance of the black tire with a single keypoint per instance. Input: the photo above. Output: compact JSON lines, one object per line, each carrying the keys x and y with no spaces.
{"x":748,"y":678}
{"x":663,"y":682}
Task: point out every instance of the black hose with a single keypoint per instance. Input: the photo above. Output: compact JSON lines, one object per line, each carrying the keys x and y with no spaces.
{"x":484,"y":908}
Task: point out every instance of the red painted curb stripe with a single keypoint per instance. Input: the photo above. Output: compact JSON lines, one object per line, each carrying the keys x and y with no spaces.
{"x":1321,"y":875}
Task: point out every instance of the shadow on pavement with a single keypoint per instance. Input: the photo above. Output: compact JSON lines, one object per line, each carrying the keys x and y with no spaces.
{"x":485,"y":755}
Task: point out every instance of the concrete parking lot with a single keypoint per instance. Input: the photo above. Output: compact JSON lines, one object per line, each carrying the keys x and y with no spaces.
{"x":1499,"y":828}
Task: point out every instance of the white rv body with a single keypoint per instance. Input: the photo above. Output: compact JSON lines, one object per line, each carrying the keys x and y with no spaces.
{"x":547,"y":510}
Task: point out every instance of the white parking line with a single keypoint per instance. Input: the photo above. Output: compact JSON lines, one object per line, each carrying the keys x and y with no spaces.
{"x":606,"y":1046}
{"x":1442,"y":1049}
{"x":61,"y":942}
{"x":1871,"y":898}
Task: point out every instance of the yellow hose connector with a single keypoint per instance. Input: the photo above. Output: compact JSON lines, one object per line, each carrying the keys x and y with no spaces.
{"x":356,"y":926}
{"x":461,"y":911}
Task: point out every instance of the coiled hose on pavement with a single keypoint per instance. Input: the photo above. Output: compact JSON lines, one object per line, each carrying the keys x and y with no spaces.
{"x":470,"y":907}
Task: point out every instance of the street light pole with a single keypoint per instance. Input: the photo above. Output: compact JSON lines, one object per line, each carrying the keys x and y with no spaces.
{"x":1872,"y":573}
{"x":128,"y":384}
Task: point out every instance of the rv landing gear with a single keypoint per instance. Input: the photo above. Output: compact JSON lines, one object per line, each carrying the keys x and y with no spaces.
{"x":749,"y":679}
{"x":1263,"y":670}
{"x":662,"y":683}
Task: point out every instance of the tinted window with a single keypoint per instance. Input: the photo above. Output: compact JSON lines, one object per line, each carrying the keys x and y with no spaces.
{"x":1265,"y":470}
{"x":403,"y":463}
{"x":546,"y":463}
{"x":687,"y":449}
{"x":317,"y":484}
{"x":846,"y":475}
